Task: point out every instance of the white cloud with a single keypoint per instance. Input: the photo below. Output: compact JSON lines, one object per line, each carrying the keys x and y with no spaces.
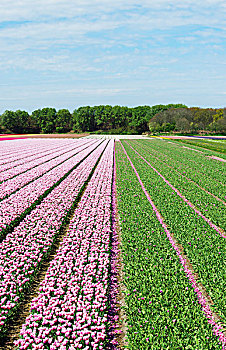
{"x":145,"y":44}
{"x":26,"y":9}
{"x":46,"y":27}
{"x":55,"y":9}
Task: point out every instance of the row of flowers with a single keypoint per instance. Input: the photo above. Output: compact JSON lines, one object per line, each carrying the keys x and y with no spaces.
{"x":203,"y":243}
{"x":70,"y":311}
{"x":22,"y":152}
{"x":171,"y":166}
{"x":35,"y":169}
{"x":164,"y":303}
{"x":24,"y":146}
{"x":204,"y":171}
{"x":209,"y":205}
{"x":23,"y":250}
{"x":23,"y":200}
{"x":12,"y":169}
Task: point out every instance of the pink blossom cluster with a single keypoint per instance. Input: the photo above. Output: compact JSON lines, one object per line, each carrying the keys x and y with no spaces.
{"x":11,"y":138}
{"x":22,"y":153}
{"x":70,"y":311}
{"x":9,"y":149}
{"x":9,"y":170}
{"x":24,"y":249}
{"x":37,"y":168}
{"x":13,"y":206}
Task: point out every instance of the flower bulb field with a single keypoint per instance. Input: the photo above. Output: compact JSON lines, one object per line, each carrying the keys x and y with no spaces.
{"x":111,"y":244}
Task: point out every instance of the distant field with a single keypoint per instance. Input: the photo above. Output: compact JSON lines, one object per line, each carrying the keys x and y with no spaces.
{"x":214,"y":145}
{"x":111,"y":244}
{"x":56,"y":135}
{"x":13,"y":136}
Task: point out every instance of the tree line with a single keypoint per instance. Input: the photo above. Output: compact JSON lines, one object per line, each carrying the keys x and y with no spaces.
{"x":115,"y":119}
{"x":191,"y":120}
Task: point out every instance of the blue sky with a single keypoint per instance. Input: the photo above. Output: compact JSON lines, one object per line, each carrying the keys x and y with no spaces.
{"x":65,"y":54}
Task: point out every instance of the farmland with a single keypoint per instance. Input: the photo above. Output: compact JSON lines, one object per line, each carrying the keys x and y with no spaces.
{"x":126,"y":239}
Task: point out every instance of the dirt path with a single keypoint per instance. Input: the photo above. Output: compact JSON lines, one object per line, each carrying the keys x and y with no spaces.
{"x":116,"y":316}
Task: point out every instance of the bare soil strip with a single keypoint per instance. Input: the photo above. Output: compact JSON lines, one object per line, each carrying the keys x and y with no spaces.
{"x":117,"y":315}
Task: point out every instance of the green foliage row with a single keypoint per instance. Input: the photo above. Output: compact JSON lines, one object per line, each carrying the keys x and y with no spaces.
{"x":112,"y":119}
{"x":203,"y":246}
{"x":211,"y":145}
{"x":209,"y":174}
{"x":161,"y":307}
{"x":207,"y":204}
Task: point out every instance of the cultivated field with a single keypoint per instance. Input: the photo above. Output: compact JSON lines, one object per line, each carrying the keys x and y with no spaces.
{"x":4,"y":137}
{"x":111,"y":244}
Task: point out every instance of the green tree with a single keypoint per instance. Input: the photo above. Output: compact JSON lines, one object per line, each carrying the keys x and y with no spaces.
{"x":121,"y":116}
{"x":140,"y":118}
{"x":36,"y":117}
{"x":9,"y":121}
{"x":16,"y":122}
{"x":182,"y":124}
{"x":154,"y":127}
{"x":219,"y":121}
{"x":103,"y":117}
{"x":44,"y":119}
{"x":83,"y":119}
{"x":63,"y":120}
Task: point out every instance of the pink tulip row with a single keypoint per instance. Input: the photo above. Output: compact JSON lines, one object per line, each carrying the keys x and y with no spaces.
{"x":13,"y":206}
{"x":21,"y":151}
{"x":17,"y":166}
{"x":9,"y":149}
{"x":11,"y":138}
{"x":7,"y":171}
{"x":25,"y":248}
{"x":45,"y":164}
{"x":70,"y":311}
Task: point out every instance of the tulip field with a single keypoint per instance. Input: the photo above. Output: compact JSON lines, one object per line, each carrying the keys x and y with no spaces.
{"x":132,"y":234}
